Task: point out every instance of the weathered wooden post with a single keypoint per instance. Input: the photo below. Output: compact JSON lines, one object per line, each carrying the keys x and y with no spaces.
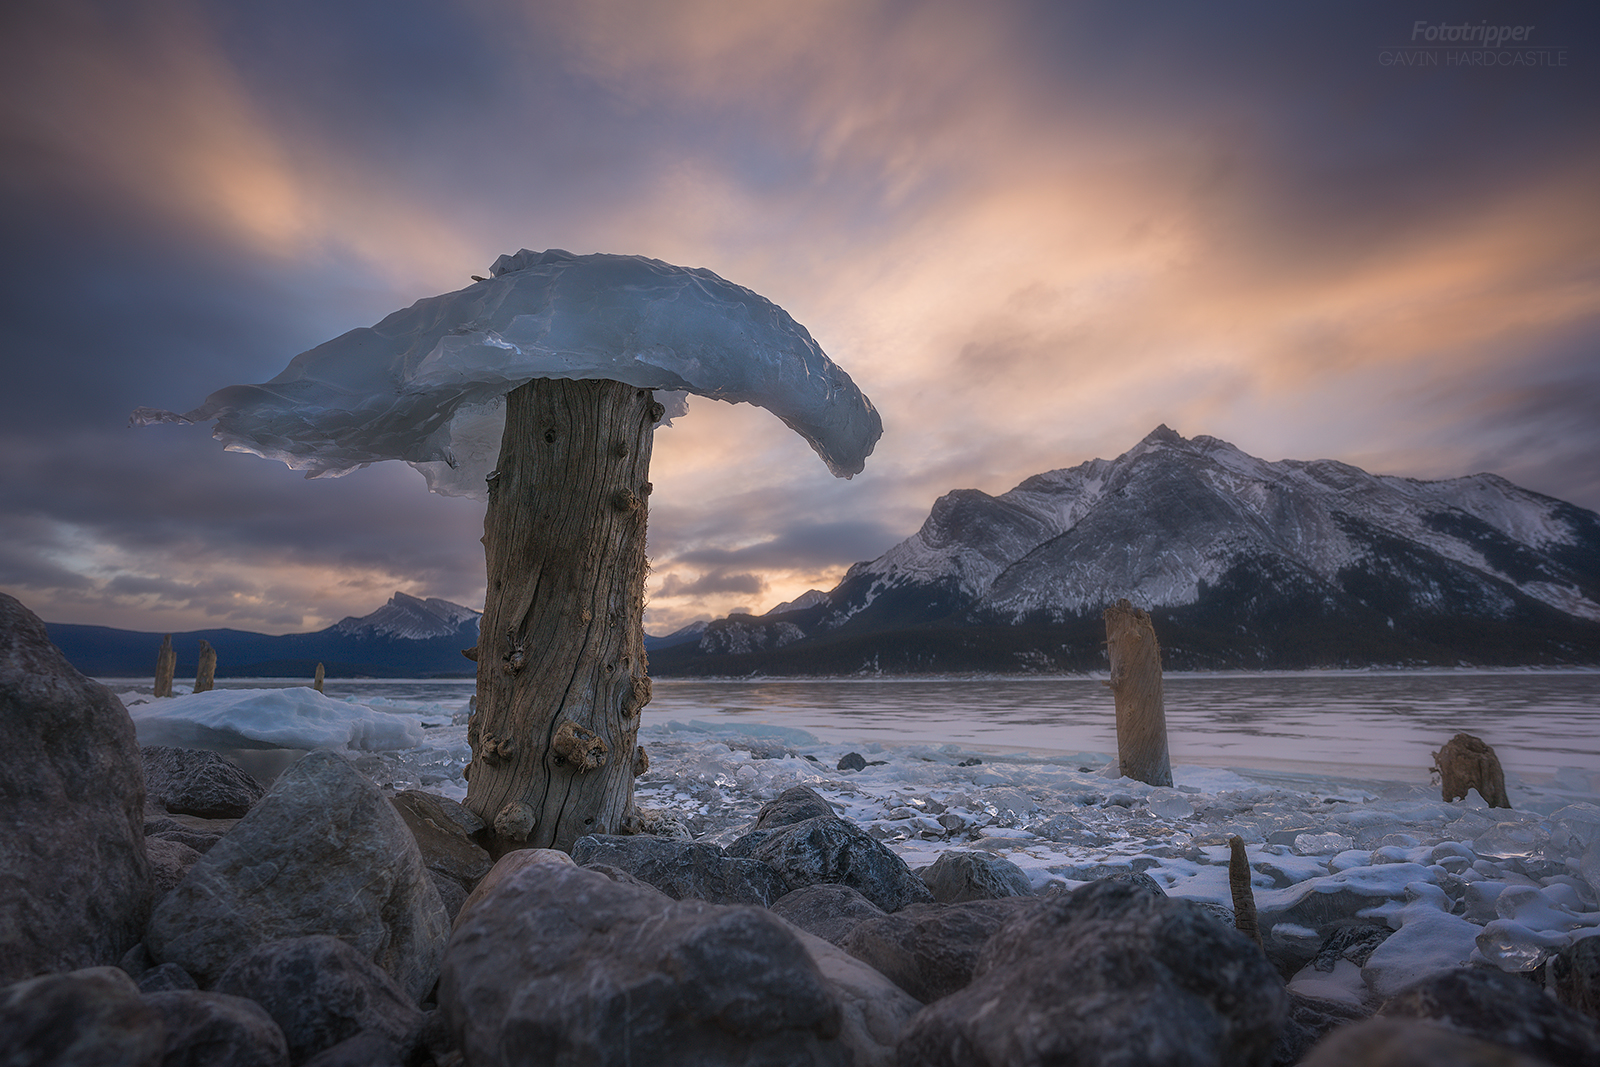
{"x":166,"y":667}
{"x":1244,"y":898}
{"x":316,"y":683}
{"x":205,"y":677}
{"x":1467,"y":762}
{"x":1136,"y":686}
{"x":561,"y":661}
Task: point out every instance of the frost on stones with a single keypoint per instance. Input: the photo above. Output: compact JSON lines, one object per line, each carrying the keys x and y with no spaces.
{"x":427,"y":384}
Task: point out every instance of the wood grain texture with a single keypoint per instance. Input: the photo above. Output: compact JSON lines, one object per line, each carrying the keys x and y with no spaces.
{"x":1136,"y":686}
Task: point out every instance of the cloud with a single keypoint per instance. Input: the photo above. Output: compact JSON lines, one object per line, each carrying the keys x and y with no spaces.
{"x":712,"y":581}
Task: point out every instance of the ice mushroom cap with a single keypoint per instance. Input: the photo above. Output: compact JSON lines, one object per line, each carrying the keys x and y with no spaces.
{"x":427,"y":384}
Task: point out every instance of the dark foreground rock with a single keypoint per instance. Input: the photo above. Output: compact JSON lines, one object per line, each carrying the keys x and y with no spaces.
{"x":321,"y":992}
{"x":195,"y":782}
{"x":74,"y":876}
{"x":559,"y":965}
{"x":684,"y":870}
{"x":960,"y":876}
{"x":444,"y":830}
{"x":829,"y":849}
{"x":1575,"y":976}
{"x":1408,"y":1043}
{"x":218,"y":1030}
{"x":931,"y":950}
{"x":1503,"y":1009}
{"x":828,"y":911}
{"x":323,"y":853}
{"x":1110,"y":975}
{"x":85,"y":1018}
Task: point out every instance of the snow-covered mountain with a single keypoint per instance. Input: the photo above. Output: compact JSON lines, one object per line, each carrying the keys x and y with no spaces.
{"x":1245,"y":563}
{"x":408,"y":618}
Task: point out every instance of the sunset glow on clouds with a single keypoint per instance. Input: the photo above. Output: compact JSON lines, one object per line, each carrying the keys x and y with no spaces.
{"x":1030,"y":232}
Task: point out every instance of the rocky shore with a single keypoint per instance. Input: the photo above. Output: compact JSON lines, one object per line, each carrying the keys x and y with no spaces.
{"x":160,"y":908}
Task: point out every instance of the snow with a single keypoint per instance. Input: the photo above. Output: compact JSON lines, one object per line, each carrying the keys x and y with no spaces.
{"x":294,"y":718}
{"x":426,"y":385}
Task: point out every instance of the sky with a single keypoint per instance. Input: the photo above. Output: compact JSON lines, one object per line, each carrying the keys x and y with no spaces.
{"x":1030,"y":231}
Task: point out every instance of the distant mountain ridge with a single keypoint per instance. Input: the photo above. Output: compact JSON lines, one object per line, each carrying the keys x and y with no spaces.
{"x":1243,"y":562}
{"x":407,"y":637}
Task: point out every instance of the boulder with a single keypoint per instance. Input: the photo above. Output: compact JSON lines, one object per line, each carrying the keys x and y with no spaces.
{"x":504,"y":868}
{"x":451,"y":895}
{"x":1109,"y":974}
{"x":165,"y":979}
{"x":684,"y":870}
{"x":85,"y":1018}
{"x":1575,"y":976}
{"x":444,"y":830}
{"x":958,"y":876}
{"x":167,"y":828}
{"x":828,"y":911}
{"x":1466,"y":763}
{"x":1310,"y":1020}
{"x":323,"y":853}
{"x":1405,"y":1043}
{"x":826,"y":848}
{"x":366,"y":1049}
{"x":930,"y":950}
{"x":873,"y":1011}
{"x":1503,"y":1009}
{"x":320,"y":992}
{"x":559,"y":965}
{"x":170,"y":863}
{"x":218,"y":1030}
{"x":795,"y":804}
{"x":196,"y":782}
{"x":74,"y":876}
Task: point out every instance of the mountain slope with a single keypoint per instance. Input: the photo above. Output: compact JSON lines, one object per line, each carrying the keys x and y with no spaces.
{"x":1243,"y":562}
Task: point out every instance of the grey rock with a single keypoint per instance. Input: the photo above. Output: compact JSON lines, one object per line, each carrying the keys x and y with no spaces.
{"x":1310,"y":1020}
{"x":320,"y":991}
{"x":217,"y":1030}
{"x":85,"y":1018}
{"x":323,"y":853}
{"x":958,"y":876}
{"x":1140,"y":880}
{"x":684,"y":870}
{"x":451,"y":894}
{"x":828,"y":911}
{"x":74,"y":876}
{"x":1503,"y":1009}
{"x":1407,"y":1043}
{"x":873,"y":1011}
{"x":795,"y":804}
{"x":559,"y":965}
{"x":136,"y":961}
{"x":366,"y":1049}
{"x":443,"y":831}
{"x":930,"y":950}
{"x":1575,"y":976}
{"x":1108,"y":975}
{"x":852,"y":761}
{"x":165,"y":978}
{"x":617,"y":874}
{"x":827,"y":848}
{"x":170,"y":863}
{"x":196,"y":782}
{"x":167,"y":829}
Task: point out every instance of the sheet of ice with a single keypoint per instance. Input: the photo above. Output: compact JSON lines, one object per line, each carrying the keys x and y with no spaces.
{"x":296,"y":718}
{"x":426,"y":385}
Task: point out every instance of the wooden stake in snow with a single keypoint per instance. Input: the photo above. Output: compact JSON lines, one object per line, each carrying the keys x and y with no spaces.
{"x":1467,"y":762}
{"x":561,"y":661}
{"x":316,"y":682}
{"x":205,"y":677}
{"x":1136,"y":686}
{"x":166,"y":667}
{"x":1244,"y":898}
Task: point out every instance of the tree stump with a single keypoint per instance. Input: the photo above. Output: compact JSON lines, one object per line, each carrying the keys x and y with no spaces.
{"x":166,"y":667}
{"x":205,"y":677}
{"x":1136,"y":686}
{"x":1244,"y":897}
{"x":561,"y":661}
{"x":316,"y":682}
{"x":1467,"y":762}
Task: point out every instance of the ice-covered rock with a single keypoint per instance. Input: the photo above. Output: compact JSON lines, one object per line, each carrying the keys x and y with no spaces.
{"x":426,"y":385}
{"x":296,"y":718}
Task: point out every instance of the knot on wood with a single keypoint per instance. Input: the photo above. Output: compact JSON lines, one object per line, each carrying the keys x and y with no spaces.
{"x":620,"y":449}
{"x":516,"y":659}
{"x":639,"y":694}
{"x":496,"y":750}
{"x":584,"y":749}
{"x":657,"y":411}
{"x":515,"y":821}
{"x":471,"y":653}
{"x":625,"y":500}
{"x":641,"y":762}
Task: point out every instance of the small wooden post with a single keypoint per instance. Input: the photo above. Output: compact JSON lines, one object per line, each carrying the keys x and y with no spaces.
{"x":561,"y":664}
{"x":1468,"y":762}
{"x":166,"y":666}
{"x":205,"y":677}
{"x":1244,"y":898}
{"x":1136,"y":686}
{"x":316,"y":683}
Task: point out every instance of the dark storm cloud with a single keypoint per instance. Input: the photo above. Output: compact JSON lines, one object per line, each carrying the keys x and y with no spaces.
{"x":801,"y":545}
{"x":713,"y":581}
